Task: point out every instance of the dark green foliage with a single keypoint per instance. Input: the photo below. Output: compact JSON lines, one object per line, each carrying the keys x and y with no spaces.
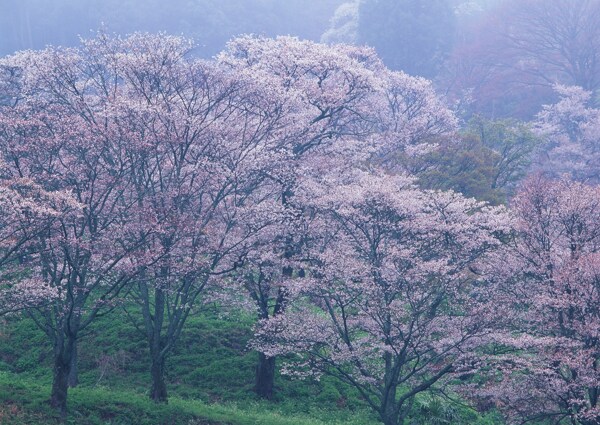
{"x":486,"y":162}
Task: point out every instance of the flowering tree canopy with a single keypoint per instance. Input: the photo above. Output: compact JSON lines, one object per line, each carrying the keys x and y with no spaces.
{"x":387,"y":304}
{"x":548,"y":361}
{"x":571,"y":127}
{"x":342,"y":108}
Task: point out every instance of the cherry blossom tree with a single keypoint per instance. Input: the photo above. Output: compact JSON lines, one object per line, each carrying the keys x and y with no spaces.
{"x":387,"y":304}
{"x":207,"y":148}
{"x":571,"y":128}
{"x":183,"y":171}
{"x":342,"y":103}
{"x":329,"y":92}
{"x":26,"y":211}
{"x":547,"y":360}
{"x":9,"y":87}
{"x":344,"y":93}
{"x":60,"y":135}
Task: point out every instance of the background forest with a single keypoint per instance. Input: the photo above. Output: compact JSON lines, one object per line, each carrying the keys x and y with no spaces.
{"x":300,"y":212}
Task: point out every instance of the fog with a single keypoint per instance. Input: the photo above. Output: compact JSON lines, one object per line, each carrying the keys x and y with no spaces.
{"x":33,"y":24}
{"x":502,"y":57}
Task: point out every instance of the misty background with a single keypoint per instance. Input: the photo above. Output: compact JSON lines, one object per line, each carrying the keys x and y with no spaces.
{"x":33,"y":24}
{"x":496,"y":58}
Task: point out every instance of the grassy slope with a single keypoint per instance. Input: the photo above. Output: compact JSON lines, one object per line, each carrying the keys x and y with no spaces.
{"x":22,"y":402}
{"x":210,"y":378}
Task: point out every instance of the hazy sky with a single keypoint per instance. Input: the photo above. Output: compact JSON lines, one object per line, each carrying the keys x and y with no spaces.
{"x":34,"y":24}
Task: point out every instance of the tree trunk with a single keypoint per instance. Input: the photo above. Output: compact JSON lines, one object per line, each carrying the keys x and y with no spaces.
{"x":265,"y":376}
{"x":60,"y":385}
{"x":62,"y":367}
{"x":389,"y":416}
{"x":265,"y":369}
{"x":389,"y":420}
{"x":74,"y":371}
{"x":158,"y":392}
{"x":389,"y":412}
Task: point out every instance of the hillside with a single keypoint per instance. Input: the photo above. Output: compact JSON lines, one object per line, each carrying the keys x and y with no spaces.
{"x":210,"y":379}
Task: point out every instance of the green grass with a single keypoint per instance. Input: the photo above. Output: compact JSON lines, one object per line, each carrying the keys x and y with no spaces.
{"x":23,"y":402}
{"x":209,"y":376}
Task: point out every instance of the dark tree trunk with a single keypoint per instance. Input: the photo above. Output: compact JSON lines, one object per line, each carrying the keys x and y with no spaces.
{"x":158,"y":392}
{"x":60,"y":385}
{"x":157,"y":342}
{"x":62,"y":368}
{"x":264,"y":383}
{"x":389,"y":410}
{"x":389,"y":415}
{"x":265,"y":369}
{"x":74,"y":371}
{"x":265,"y":376}
{"x":389,"y":420}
